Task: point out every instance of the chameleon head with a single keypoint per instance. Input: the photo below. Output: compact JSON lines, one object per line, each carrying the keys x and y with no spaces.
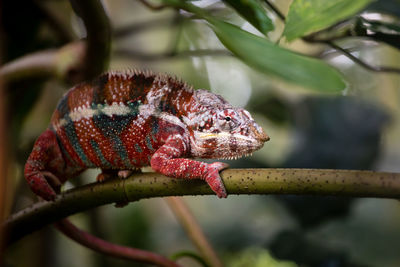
{"x":225,"y":132}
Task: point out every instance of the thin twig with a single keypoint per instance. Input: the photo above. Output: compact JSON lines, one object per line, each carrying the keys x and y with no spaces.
{"x":193,"y":230}
{"x":138,"y":27}
{"x":361,"y":62}
{"x":237,"y":181}
{"x":168,"y":55}
{"x":275,"y":9}
{"x":105,"y":247}
{"x":152,"y":6}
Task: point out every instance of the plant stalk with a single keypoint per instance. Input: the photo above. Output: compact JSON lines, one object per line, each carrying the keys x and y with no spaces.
{"x":349,"y":183}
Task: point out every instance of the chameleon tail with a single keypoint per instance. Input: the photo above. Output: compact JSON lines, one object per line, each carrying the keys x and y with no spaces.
{"x":45,"y":156}
{"x":103,"y":246}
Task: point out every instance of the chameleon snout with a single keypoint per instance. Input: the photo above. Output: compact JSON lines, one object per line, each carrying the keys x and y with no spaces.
{"x":263,"y":136}
{"x":259,"y":133}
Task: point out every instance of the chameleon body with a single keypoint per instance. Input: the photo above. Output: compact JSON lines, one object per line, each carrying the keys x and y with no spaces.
{"x":127,"y":120}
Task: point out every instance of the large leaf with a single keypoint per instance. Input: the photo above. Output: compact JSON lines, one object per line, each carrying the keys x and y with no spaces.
{"x":253,"y":12}
{"x":306,"y":16}
{"x":272,"y":59}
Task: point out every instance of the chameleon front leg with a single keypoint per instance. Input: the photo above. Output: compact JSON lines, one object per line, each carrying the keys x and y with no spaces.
{"x":166,"y":160}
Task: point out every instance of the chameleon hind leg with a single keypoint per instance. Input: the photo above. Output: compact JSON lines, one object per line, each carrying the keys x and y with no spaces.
{"x":109,"y":173}
{"x":42,"y":165}
{"x":123,"y":174}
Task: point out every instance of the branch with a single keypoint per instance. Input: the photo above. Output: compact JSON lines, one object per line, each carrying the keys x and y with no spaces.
{"x":237,"y":181}
{"x":98,"y":36}
{"x":60,"y":62}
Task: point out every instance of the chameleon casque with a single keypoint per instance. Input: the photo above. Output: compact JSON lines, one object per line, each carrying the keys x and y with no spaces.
{"x":127,"y":120}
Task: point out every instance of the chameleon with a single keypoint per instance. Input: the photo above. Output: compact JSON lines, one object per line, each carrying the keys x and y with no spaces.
{"x":122,"y":121}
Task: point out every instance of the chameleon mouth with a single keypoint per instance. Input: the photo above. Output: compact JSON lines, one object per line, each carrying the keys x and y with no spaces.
{"x":237,"y":156}
{"x":244,"y":150}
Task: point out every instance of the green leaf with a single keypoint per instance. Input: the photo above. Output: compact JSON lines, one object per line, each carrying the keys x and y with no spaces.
{"x":306,"y":16}
{"x":273,"y":59}
{"x":253,"y":12}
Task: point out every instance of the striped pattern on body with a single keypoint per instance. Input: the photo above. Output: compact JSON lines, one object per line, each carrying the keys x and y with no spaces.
{"x":114,"y":121}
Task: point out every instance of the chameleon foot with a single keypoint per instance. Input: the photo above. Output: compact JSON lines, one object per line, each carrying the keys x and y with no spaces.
{"x":214,"y":180}
{"x":44,"y":184}
{"x":106,"y":174}
{"x":125,"y":173}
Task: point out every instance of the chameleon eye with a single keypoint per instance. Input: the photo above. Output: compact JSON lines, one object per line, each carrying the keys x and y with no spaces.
{"x":227,"y":123}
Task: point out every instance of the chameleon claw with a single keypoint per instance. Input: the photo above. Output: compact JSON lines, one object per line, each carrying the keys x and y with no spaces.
{"x":106,"y":174}
{"x":214,"y":180}
{"x":124,"y":173}
{"x":41,"y":187}
{"x":101,"y":177}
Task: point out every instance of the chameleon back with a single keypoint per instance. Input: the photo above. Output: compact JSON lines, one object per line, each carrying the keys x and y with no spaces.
{"x":112,"y":122}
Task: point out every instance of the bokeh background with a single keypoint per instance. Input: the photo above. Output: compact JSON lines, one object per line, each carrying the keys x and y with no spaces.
{"x":354,"y":129}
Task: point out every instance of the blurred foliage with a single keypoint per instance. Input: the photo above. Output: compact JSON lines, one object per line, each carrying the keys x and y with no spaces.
{"x":293,"y":245}
{"x":307,"y":16}
{"x":257,"y":258}
{"x":253,"y":12}
{"x":336,"y":133}
{"x":357,"y":129}
{"x":22,"y":37}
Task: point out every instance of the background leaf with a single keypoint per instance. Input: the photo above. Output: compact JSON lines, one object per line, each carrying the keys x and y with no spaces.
{"x":272,"y":59}
{"x":307,"y":16}
{"x":253,"y":12}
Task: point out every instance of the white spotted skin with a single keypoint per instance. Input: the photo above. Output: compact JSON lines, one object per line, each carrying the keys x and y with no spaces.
{"x":219,"y":130}
{"x":202,"y":118}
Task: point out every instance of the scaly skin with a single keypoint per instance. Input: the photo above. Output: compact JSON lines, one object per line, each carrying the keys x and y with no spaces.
{"x":124,"y":121}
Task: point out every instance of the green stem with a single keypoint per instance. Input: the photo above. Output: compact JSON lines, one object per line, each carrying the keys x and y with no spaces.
{"x":193,"y":230}
{"x":191,"y":255}
{"x":237,"y":181}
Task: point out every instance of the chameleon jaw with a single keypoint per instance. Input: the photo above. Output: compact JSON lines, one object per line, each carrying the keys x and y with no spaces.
{"x":237,"y":156}
{"x":219,"y":145}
